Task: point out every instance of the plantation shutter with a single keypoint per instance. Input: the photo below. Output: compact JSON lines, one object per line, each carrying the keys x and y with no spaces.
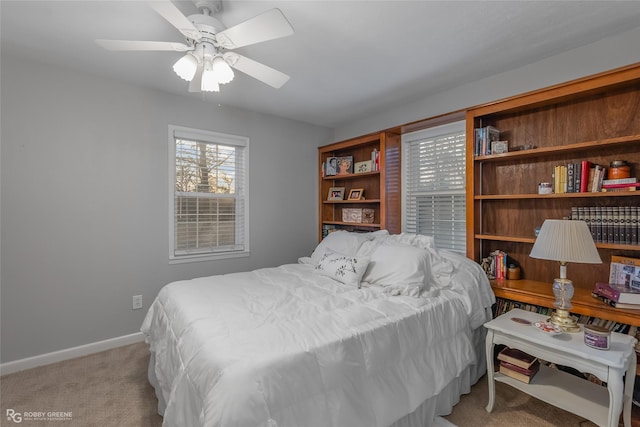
{"x":434,"y":189}
{"x":210,"y":194}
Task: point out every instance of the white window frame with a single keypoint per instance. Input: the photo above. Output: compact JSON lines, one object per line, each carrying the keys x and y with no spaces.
{"x":214,"y":138}
{"x":432,"y":134}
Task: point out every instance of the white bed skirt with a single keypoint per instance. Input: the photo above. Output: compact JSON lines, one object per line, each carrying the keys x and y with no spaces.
{"x":426,"y":414}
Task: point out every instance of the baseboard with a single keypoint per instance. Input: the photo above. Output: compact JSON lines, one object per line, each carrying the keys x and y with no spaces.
{"x":69,"y":353}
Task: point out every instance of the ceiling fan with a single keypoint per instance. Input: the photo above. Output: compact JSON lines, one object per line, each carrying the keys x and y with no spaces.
{"x":208,"y":61}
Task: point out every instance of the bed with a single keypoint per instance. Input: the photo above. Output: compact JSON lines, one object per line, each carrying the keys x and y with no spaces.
{"x":370,"y":330}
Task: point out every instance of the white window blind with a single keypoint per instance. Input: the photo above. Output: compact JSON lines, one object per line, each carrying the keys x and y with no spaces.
{"x":434,"y":185}
{"x":209,"y":195}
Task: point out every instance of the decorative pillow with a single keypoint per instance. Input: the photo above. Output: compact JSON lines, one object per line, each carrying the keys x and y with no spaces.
{"x":396,"y":265}
{"x":341,"y":241}
{"x":343,"y":268}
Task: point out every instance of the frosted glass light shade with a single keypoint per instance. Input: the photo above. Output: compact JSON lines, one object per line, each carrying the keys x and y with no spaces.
{"x":186,"y":67}
{"x":209,"y":80}
{"x":222,"y":70}
{"x":565,"y":241}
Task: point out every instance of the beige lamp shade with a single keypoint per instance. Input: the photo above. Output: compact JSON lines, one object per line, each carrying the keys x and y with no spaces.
{"x":565,"y":241}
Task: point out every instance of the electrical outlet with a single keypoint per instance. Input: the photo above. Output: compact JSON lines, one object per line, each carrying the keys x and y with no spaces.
{"x":137,"y":302}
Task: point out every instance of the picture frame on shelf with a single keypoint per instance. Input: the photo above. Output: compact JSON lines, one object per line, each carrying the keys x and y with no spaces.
{"x":345,"y":165}
{"x":362,"y":167}
{"x":336,"y":193}
{"x":331,"y":166}
{"x":356,"y":194}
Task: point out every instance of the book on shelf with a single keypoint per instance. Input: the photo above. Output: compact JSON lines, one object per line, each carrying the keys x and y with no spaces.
{"x":618,"y":293}
{"x":627,"y":186}
{"x":585,"y":168}
{"x":625,"y":271}
{"x":483,"y":139}
{"x":632,"y":180}
{"x":518,"y":373}
{"x":517,"y":357}
{"x":615,"y":304}
{"x":598,"y":177}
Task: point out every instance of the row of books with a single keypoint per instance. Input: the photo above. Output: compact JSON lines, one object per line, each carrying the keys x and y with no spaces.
{"x":495,"y":265}
{"x":610,"y":224}
{"x":585,"y":176}
{"x":484,"y":139}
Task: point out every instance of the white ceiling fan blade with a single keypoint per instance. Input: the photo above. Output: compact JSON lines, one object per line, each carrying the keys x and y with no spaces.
{"x":265,"y":74}
{"x":269,"y":25}
{"x":142,"y":45}
{"x":195,"y":85}
{"x":171,"y":13}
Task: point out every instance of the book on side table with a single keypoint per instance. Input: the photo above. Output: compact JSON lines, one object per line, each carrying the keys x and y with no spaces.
{"x":520,"y":374}
{"x":518,"y":364}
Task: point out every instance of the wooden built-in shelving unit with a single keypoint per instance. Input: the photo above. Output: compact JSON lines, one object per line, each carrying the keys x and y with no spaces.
{"x":596,"y":119}
{"x":382,"y":187}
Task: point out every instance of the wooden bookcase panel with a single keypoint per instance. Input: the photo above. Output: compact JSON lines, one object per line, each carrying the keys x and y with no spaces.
{"x":381,"y":188}
{"x":595,"y":119}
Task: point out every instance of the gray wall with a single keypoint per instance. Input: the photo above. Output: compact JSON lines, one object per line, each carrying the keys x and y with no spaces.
{"x":606,"y":54}
{"x":84,"y":201}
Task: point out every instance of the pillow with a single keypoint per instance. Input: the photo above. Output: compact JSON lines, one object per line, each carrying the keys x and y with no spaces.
{"x":415,"y":240}
{"x":343,"y":268}
{"x":395,"y":265}
{"x":344,"y":242}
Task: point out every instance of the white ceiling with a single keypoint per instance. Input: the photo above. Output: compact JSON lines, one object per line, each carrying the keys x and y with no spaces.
{"x":347,"y":59}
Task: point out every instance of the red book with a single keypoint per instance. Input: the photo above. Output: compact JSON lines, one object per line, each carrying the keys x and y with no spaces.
{"x":618,"y":293}
{"x":535,"y":367}
{"x":584,"y":175}
{"x":516,"y":357}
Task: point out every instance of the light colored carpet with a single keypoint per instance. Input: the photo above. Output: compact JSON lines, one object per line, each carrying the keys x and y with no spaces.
{"x":111,"y":389}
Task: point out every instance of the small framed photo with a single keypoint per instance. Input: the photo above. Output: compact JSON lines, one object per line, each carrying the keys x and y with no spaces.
{"x":355,"y":194}
{"x":336,"y":193}
{"x":331,"y":166}
{"x":362,"y":167}
{"x":345,"y":165}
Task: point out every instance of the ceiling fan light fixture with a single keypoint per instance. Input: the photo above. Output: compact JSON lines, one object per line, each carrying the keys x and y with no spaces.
{"x":186,"y":67}
{"x":222,"y":70}
{"x":209,"y":79}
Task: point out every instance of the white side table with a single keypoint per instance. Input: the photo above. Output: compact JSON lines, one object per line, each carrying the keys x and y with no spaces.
{"x":586,"y":399}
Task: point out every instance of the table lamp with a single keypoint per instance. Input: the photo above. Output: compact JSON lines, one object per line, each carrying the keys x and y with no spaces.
{"x":565,"y":241}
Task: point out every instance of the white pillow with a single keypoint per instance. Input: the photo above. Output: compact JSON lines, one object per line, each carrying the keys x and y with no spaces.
{"x":396,"y":265}
{"x":341,"y":241}
{"x":343,"y":268}
{"x":415,"y":240}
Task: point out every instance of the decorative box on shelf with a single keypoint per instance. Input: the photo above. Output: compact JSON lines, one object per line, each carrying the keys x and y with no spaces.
{"x":357,"y":215}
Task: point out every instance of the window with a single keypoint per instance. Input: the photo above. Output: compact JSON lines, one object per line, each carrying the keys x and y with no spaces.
{"x":208,"y":195}
{"x":434,"y":185}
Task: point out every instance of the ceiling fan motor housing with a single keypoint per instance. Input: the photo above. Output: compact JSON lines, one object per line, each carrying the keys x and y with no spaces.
{"x":207,"y":25}
{"x":213,"y":6}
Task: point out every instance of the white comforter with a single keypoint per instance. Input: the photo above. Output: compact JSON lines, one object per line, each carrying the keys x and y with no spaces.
{"x":288,"y":347}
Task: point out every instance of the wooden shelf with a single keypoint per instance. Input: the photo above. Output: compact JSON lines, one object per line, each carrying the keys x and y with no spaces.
{"x":554,"y":151}
{"x":351,"y":176}
{"x":352,"y":224}
{"x":531,"y":240}
{"x":557,"y":196}
{"x":540,"y":293}
{"x":330,"y":202}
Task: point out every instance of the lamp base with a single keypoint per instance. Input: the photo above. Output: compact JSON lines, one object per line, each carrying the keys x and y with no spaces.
{"x":564,"y":320}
